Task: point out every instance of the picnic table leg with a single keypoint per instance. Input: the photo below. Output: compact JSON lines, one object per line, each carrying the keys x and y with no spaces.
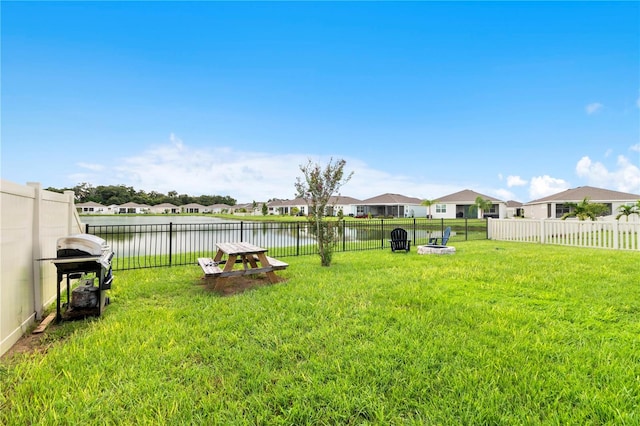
{"x":273,"y":278}
{"x":218,"y":257}
{"x":231,"y":261}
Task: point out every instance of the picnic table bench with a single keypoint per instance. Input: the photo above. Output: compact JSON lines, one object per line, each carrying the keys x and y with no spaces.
{"x":252,"y":258}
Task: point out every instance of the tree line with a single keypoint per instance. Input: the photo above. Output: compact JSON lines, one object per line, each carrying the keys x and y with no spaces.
{"x":121,"y":194}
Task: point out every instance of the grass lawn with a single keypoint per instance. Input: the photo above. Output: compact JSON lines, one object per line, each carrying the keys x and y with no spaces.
{"x":499,"y":333}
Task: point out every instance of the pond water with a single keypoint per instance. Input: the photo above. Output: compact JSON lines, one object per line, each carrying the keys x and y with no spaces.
{"x":150,"y":219}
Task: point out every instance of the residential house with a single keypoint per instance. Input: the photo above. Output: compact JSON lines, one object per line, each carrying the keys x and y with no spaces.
{"x":247,"y":209}
{"x":133,"y":208}
{"x":192,"y":208}
{"x":288,"y":207}
{"x":91,"y":207}
{"x":348,"y":206}
{"x":165,"y":208}
{"x":556,"y":205}
{"x":462,"y":204}
{"x":218,"y":208}
{"x":391,"y":205}
{"x":514,"y":209}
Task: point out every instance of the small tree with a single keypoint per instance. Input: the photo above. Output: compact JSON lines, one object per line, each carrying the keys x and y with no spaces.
{"x":265,"y":209}
{"x":428,"y":204}
{"x":316,"y":188}
{"x":627,"y":210}
{"x":481,"y":205}
{"x":584,"y":210}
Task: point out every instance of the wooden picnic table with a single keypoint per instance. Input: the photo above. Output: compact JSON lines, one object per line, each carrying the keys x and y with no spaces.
{"x":253,"y":260}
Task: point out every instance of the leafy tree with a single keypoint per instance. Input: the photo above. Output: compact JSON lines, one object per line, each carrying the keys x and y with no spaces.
{"x":584,"y":209}
{"x":428,"y":204}
{"x":265,"y":209}
{"x":316,"y":187}
{"x":84,"y":192}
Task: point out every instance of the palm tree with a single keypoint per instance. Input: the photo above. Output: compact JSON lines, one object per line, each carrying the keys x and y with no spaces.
{"x":626,"y":211}
{"x":584,"y":209}
{"x":482,"y":205}
{"x":428,"y":204}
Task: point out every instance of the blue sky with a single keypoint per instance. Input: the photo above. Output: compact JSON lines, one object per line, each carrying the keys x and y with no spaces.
{"x":513,"y":100}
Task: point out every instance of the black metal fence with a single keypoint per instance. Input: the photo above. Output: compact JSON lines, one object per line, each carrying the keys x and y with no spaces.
{"x":157,"y":245}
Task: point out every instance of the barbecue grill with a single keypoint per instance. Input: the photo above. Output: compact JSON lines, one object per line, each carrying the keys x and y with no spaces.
{"x":79,"y":256}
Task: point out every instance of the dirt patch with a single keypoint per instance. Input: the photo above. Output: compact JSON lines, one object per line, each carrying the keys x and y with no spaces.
{"x":29,"y":343}
{"x":235,"y":285}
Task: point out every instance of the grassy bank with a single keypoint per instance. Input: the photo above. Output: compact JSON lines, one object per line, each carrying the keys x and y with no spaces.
{"x":499,"y":333}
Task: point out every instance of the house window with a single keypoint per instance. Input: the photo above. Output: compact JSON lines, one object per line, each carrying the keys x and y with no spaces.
{"x":562,"y":209}
{"x":441,"y":208}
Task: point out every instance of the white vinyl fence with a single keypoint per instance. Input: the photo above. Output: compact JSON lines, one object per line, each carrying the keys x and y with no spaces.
{"x":611,"y":234}
{"x":32,"y":220}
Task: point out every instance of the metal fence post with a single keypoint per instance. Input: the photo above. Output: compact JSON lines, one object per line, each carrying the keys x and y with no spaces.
{"x":170,"y":239}
{"x":241,"y":231}
{"x":381,"y":233}
{"x":297,"y":238}
{"x":344,"y":236}
{"x":414,"y":232}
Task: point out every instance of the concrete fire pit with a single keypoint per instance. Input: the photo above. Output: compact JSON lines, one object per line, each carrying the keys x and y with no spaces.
{"x":436,"y":250}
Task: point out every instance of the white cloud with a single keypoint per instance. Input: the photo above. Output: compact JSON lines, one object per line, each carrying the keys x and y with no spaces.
{"x":626,"y":176}
{"x":541,"y":186}
{"x":92,"y":167}
{"x":504,"y":194}
{"x":515,"y":181}
{"x":246,"y":175}
{"x":635,"y":147}
{"x":593,"y":107}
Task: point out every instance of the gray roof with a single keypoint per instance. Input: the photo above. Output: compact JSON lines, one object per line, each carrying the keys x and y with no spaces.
{"x":89,"y":204}
{"x":466,"y":196}
{"x":166,"y":206}
{"x":391,"y":199}
{"x":513,"y":203}
{"x":132,"y":204}
{"x":342,"y":199}
{"x":595,"y":195}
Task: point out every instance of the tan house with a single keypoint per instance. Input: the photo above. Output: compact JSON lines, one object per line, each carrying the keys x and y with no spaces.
{"x":164,"y":208}
{"x":554,"y":206}
{"x":515,"y":209}
{"x":391,"y":205}
{"x":462,"y":204}
{"x":192,"y":208}
{"x":218,"y":208}
{"x":91,"y":207}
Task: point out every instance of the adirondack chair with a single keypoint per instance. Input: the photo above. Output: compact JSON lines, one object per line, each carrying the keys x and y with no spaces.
{"x":433,"y":241}
{"x":399,"y":240}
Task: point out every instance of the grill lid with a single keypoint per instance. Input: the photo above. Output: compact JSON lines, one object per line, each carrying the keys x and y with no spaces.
{"x":87,"y":243}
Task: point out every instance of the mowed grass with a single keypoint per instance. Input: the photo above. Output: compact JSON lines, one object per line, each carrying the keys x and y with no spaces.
{"x":499,"y":333}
